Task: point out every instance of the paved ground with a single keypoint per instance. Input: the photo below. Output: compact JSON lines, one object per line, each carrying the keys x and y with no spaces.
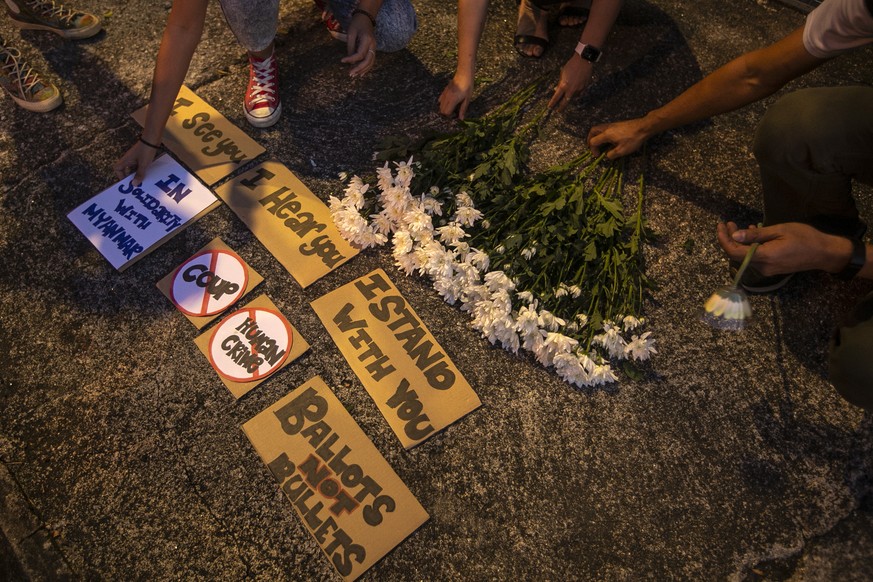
{"x":121,"y":451}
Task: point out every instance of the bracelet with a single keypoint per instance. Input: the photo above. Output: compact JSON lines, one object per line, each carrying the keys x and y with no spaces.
{"x":856,"y":261}
{"x":365,"y":13}
{"x":151,"y":145}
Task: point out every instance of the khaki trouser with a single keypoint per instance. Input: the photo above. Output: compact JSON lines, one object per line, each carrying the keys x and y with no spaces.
{"x":811,"y":145}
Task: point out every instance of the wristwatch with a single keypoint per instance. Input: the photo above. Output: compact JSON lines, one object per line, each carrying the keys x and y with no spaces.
{"x":856,"y":261}
{"x":588,"y":52}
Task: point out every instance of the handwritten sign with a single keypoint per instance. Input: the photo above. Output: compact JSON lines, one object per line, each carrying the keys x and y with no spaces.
{"x":346,"y":493}
{"x":250,"y":345}
{"x":209,"y":282}
{"x":205,"y":140}
{"x":125,"y":222}
{"x":291,"y":221}
{"x":413,"y":382}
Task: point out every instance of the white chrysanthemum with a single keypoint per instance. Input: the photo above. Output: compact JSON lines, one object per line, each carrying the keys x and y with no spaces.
{"x":527,"y":322}
{"x":467,"y":215}
{"x":343,"y":176}
{"x":407,"y":262}
{"x":417,"y":221}
{"x":440,"y":261}
{"x":529,"y":252}
{"x":449,"y":288}
{"x":497,"y":280}
{"x":603,"y":374}
{"x":570,"y":370}
{"x":385,"y":178}
{"x":630,"y":323}
{"x":463,"y":199}
{"x":479,"y":259}
{"x":402,"y":242}
{"x":451,"y":233}
{"x":561,"y":291}
{"x":432,"y":206}
{"x":525,"y":296}
{"x":549,"y":321}
{"x":396,"y":198}
{"x":405,"y":173}
{"x":611,"y":341}
{"x":641,"y":347}
{"x":381,"y":223}
{"x":575,"y":291}
{"x":368,"y":237}
{"x":581,"y":319}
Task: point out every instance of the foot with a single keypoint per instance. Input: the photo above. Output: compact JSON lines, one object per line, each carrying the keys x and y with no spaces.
{"x":572,"y":14}
{"x":53,"y":16}
{"x":532,"y":31}
{"x":262,"y":105}
{"x":24,"y":84}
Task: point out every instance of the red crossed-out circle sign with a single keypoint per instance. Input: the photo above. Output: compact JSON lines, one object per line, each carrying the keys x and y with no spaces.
{"x":209,"y":282}
{"x":250,"y":344}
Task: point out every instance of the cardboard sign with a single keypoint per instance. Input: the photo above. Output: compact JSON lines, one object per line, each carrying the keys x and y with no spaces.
{"x":349,"y":498}
{"x":414,"y":383}
{"x":126,"y":223}
{"x":203,"y":138}
{"x":291,"y":221}
{"x":209,"y":282}
{"x":250,"y":345}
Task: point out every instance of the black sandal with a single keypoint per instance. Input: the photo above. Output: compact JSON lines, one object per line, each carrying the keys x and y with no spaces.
{"x":526,"y":27}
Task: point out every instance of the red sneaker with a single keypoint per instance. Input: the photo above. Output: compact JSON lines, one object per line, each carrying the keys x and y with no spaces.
{"x":262,"y":105}
{"x":332,"y":24}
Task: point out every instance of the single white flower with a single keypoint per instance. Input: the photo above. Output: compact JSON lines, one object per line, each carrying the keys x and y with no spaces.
{"x":529,"y":252}
{"x":641,"y":347}
{"x":463,"y":199}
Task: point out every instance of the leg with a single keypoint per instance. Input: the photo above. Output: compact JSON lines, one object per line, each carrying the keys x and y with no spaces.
{"x":851,"y":368}
{"x":254,"y":24}
{"x":396,"y":22}
{"x":810,"y":145}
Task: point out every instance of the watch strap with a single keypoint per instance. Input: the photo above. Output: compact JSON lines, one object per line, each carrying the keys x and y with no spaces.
{"x":856,"y":261}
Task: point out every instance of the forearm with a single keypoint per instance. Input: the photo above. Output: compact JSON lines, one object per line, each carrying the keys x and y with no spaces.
{"x":742,"y":81}
{"x":471,"y":23}
{"x":600,"y":20}
{"x":180,"y":40}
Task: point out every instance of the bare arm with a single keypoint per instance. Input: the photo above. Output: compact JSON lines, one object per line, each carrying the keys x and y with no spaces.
{"x":744,"y":80}
{"x":576,"y":73}
{"x":181,"y":37}
{"x":471,"y":22}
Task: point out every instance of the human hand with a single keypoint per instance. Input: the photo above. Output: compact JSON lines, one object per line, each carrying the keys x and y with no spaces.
{"x":786,"y":248}
{"x":624,"y":137}
{"x":360,"y":45}
{"x":575,"y":76}
{"x":456,"y":95}
{"x":138,"y":158}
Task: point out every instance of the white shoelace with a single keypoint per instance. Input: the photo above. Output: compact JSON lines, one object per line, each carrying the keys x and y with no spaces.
{"x":50,"y":8}
{"x":23,"y":73}
{"x":264,"y":86}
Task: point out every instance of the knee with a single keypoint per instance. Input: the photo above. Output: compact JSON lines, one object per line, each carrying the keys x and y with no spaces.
{"x":851,"y":369}
{"x":788,"y":129}
{"x":396,"y":25}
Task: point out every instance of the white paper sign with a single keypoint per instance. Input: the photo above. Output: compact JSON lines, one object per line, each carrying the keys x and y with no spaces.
{"x":125,"y":222}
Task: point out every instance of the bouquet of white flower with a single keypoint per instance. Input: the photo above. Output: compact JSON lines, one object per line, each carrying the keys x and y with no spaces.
{"x":549,"y":262}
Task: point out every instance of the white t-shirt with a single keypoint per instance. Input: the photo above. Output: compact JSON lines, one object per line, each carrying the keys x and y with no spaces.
{"x":837,"y":26}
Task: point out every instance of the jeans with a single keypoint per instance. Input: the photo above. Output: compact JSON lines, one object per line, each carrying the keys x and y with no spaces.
{"x":254,"y":22}
{"x":810,"y":146}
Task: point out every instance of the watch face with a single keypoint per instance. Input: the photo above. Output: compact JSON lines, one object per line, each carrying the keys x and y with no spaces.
{"x":589,"y":53}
